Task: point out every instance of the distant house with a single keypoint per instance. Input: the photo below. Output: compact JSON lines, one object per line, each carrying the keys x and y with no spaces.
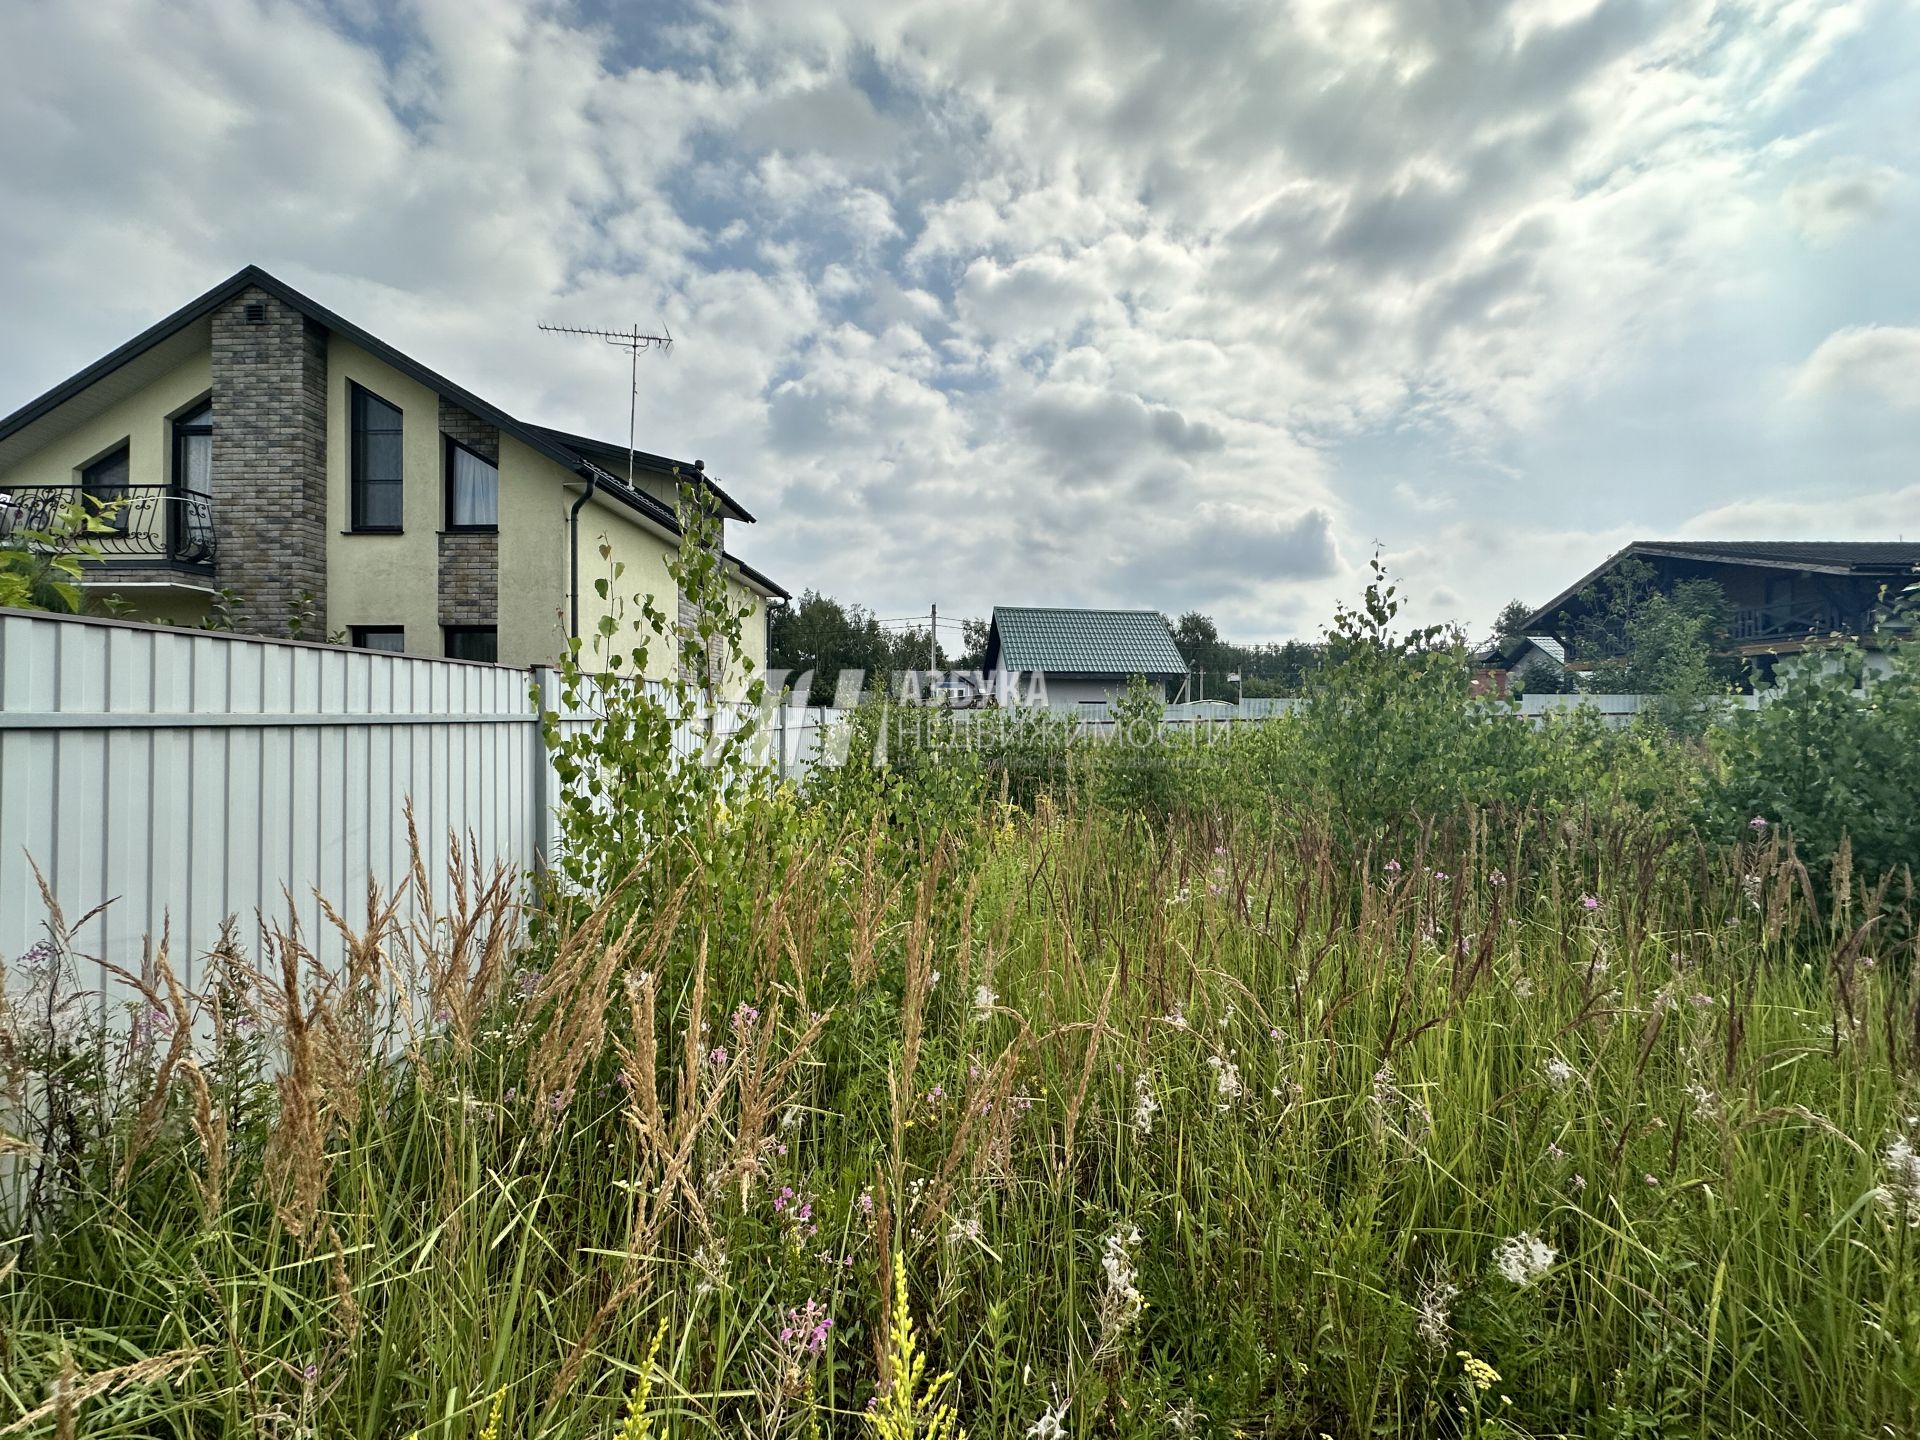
{"x":1786,"y":596}
{"x":1066,"y":658}
{"x":1534,"y":662}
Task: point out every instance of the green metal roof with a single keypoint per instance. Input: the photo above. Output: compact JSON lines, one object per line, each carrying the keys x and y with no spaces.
{"x":1082,"y":642}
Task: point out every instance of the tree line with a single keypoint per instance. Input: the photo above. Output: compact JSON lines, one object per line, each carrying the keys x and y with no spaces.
{"x":825,"y":636}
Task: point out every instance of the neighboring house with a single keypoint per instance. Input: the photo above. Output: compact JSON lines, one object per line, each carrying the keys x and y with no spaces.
{"x":277,"y":463}
{"x":1531,"y":662}
{"x":1786,"y":596}
{"x":1066,"y":658}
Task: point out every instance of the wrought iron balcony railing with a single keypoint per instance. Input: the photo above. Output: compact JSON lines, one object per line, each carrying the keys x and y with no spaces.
{"x":146,"y":523}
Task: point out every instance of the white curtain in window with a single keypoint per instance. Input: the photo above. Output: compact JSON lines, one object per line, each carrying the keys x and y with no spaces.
{"x":196,"y":464}
{"x":476,"y":486}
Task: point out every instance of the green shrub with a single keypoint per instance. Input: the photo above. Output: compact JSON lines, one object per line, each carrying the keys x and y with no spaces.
{"x":1831,"y":755}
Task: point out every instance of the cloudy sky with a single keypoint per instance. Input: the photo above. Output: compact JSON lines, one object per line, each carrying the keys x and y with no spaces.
{"x":996,"y":301}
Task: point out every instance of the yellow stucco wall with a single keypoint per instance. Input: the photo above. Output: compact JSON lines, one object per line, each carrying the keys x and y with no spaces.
{"x":644,"y":554}
{"x":533,"y":555}
{"x":141,"y":422}
{"x":384,"y":579}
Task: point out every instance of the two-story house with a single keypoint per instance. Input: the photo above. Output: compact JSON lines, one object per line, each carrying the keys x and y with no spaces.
{"x":265,"y":461}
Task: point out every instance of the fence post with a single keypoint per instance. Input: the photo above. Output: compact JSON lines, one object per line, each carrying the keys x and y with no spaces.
{"x":540,"y":822}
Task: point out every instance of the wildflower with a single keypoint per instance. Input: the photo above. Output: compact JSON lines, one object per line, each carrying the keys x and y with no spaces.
{"x":745,"y":1018}
{"x":1393,"y":867}
{"x":1589,"y":902}
{"x":1523,"y":987}
{"x":1120,"y":1300}
{"x":865,"y":1202}
{"x":1433,"y":1320}
{"x":1522,"y":1259}
{"x":1706,"y":1105}
{"x":1176,"y":1017}
{"x":964,"y":1229}
{"x":1577,"y":1184}
{"x":983,"y":1001}
{"x":1757,"y":824}
{"x":805,"y":1332}
{"x":1184,"y":1418}
{"x":1497,"y":878}
{"x":1558,"y":1072}
{"x":1145,"y":1106}
{"x":1480,"y":1375}
{"x":1651,"y":1181}
{"x":710,"y":1264}
{"x":1226,"y":1081}
{"x":1900,"y":1195}
{"x":1052,"y":1422}
{"x":717,"y":1057}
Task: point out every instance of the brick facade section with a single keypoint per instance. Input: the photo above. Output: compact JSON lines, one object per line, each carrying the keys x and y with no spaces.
{"x":476,"y":434}
{"x":270,"y":465}
{"x":469,"y":559}
{"x":469,"y":577}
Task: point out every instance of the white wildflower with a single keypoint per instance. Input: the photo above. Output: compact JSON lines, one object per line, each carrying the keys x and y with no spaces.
{"x":1052,"y":1424}
{"x":1523,"y":987}
{"x":983,"y":1001}
{"x":1706,"y":1104}
{"x":1176,"y":1017}
{"x":1226,"y":1081}
{"x":1900,"y":1195}
{"x":1145,"y":1106}
{"x":1522,"y":1259}
{"x":1120,"y":1301}
{"x":1434,"y":1322}
{"x":710,"y":1264}
{"x":1559,"y":1072}
{"x":1184,"y":1418}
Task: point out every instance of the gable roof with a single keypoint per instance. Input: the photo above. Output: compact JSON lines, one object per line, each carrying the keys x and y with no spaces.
{"x":167,"y":341}
{"x":1082,"y":642}
{"x":1883,"y":558}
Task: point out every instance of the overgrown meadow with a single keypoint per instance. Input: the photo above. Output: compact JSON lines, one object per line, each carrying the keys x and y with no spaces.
{"x":1393,"y":1068}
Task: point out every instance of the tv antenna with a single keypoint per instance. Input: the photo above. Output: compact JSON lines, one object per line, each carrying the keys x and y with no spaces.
{"x":633,"y":341}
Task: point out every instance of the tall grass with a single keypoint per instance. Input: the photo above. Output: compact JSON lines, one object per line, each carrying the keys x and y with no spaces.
{"x":1191,"y":1129}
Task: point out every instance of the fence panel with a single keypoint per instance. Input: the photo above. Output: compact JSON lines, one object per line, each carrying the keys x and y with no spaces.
{"x":186,"y":777}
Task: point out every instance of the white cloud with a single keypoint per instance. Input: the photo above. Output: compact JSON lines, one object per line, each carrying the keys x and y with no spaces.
{"x":1876,"y":363}
{"x":980,"y":301}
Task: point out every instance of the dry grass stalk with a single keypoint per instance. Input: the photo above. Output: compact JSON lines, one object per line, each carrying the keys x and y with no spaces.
{"x":159,"y":988}
{"x":70,"y":1392}
{"x":295,"y":1161}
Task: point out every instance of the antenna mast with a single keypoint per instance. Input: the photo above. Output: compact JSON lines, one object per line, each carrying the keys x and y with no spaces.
{"x":632,"y":340}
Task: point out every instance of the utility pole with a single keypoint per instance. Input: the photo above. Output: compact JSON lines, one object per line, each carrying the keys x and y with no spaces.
{"x":933,"y":637}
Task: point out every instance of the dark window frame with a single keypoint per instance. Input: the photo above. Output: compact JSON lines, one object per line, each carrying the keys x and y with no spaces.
{"x":121,"y":491}
{"x":357,"y":635}
{"x":446,"y":489}
{"x":357,"y":479}
{"x":449,"y":632}
{"x":183,"y":528}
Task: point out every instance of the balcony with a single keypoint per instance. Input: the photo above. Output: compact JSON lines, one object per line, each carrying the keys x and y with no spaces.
{"x":146,"y":525}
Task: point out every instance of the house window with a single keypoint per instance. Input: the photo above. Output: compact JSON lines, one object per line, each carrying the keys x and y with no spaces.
{"x":473,"y":642}
{"x":377,"y":468}
{"x":473,"y":489}
{"x":104,"y":482}
{"x":190,"y":507}
{"x":391,"y":638}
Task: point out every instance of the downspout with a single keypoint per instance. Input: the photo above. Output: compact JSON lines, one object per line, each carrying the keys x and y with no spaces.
{"x":573,"y":546}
